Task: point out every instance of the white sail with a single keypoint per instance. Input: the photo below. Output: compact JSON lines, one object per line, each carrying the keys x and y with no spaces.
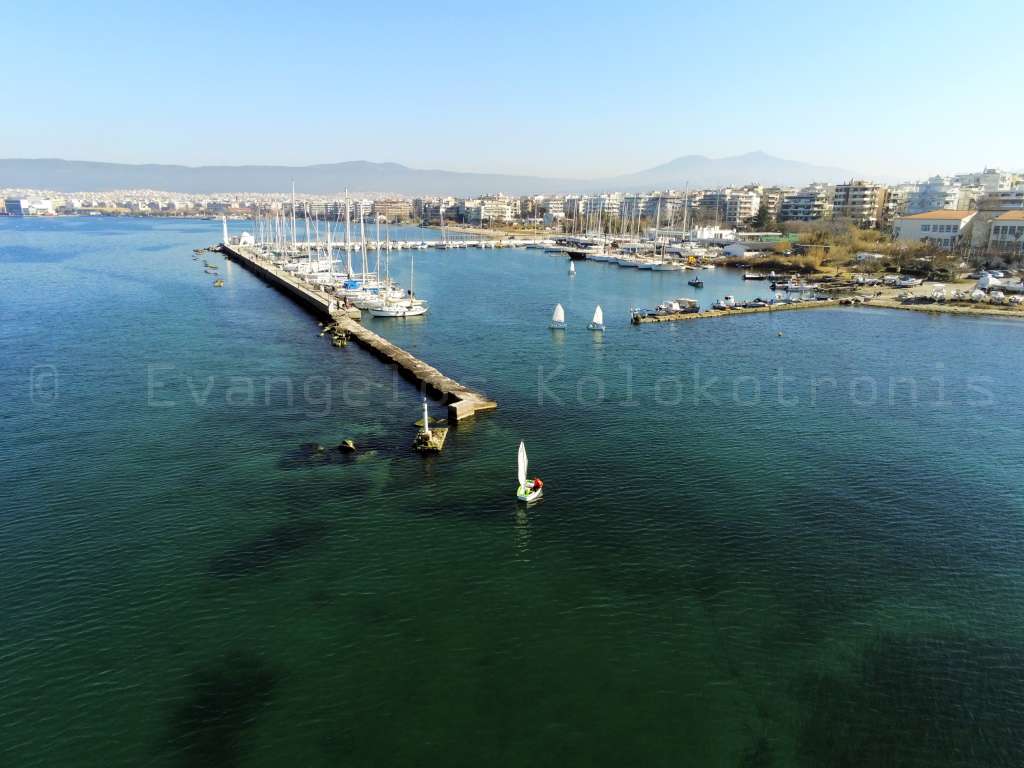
{"x":598,"y":316}
{"x":522,"y":464}
{"x":572,"y":268}
{"x":559,"y":314}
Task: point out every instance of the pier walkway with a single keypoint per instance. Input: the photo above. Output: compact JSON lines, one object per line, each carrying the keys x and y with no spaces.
{"x":462,"y":401}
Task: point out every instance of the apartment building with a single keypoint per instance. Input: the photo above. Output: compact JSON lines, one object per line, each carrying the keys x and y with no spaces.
{"x":392,"y":210}
{"x":809,"y":204}
{"x":862,"y":202}
{"x":942,"y":192}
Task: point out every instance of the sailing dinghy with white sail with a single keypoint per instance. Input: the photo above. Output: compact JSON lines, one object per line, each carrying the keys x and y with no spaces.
{"x":597,"y":324}
{"x":528,"y":490}
{"x":558,"y":318}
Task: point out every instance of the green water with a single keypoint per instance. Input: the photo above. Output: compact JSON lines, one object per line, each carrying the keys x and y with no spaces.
{"x":765,"y":540}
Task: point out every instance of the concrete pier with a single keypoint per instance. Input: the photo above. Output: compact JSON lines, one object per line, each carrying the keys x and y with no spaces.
{"x":462,"y":401}
{"x":708,"y":313}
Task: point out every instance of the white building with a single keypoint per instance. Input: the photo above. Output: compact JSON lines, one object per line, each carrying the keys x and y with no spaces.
{"x":941,"y":192}
{"x":943,"y":228}
{"x":809,"y":204}
{"x":35,"y":206}
{"x":1007,"y":233}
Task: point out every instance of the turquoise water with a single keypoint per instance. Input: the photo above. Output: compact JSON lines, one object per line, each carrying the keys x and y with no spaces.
{"x":766,"y":540}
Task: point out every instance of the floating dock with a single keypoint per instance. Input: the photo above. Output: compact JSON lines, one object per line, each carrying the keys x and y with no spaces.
{"x":462,"y":401}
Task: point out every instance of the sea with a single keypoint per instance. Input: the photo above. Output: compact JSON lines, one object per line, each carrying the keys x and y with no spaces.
{"x":778,"y":539}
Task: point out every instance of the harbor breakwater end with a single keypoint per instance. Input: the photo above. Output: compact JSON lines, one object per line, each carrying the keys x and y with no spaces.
{"x":462,"y":401}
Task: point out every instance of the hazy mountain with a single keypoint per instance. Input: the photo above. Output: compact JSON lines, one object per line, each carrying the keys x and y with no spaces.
{"x":753,"y":167}
{"x":361,"y":176}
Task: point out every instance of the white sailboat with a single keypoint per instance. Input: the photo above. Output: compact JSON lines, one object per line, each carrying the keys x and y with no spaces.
{"x":408,"y":306}
{"x":597,"y":324}
{"x":558,"y":317}
{"x":572,"y":269}
{"x":527,"y":491}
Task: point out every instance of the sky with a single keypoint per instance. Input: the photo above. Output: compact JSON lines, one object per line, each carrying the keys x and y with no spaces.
{"x":896,"y":89}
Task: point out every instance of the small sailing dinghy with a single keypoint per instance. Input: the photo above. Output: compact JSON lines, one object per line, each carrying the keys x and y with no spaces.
{"x":558,"y":317}
{"x":527,"y":491}
{"x":572,"y":269}
{"x":597,"y":324}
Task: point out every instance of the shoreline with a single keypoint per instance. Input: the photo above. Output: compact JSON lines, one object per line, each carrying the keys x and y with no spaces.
{"x":494,"y":234}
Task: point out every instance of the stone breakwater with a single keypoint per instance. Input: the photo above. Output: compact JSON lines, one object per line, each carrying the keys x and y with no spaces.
{"x":462,"y":401}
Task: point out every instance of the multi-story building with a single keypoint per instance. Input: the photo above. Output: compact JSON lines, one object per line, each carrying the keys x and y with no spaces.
{"x":1007,"y":200}
{"x":741,"y":205}
{"x":435,"y":209}
{"x":1006,"y":236}
{"x":662,"y":206}
{"x":36,"y":206}
{"x":602,"y":205}
{"x":392,"y":210}
{"x":809,"y":204}
{"x":771,"y":199}
{"x":943,"y":228}
{"x":555,"y":206}
{"x":896,"y":202}
{"x":937,"y":193}
{"x":991,"y":180}
{"x":488,"y":210}
{"x":632,"y":206}
{"x":862,"y":202}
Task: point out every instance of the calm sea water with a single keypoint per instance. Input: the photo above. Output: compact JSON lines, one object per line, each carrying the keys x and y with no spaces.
{"x":777,"y":540}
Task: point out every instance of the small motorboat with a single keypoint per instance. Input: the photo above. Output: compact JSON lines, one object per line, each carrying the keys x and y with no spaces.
{"x":218,"y":283}
{"x":696,"y":282}
{"x":726,"y":302}
{"x":531,"y":490}
{"x":558,"y":318}
{"x":597,"y":324}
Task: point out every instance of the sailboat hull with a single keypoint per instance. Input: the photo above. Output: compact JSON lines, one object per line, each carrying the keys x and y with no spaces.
{"x":524,"y":495}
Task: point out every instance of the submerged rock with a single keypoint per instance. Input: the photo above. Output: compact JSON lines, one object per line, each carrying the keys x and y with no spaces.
{"x":267,"y":549}
{"x":224,"y":700}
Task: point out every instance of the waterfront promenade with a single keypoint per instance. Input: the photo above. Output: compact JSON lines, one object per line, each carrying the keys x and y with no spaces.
{"x":462,"y":401}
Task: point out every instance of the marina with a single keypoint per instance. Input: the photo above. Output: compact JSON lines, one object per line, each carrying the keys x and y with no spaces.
{"x":462,"y":402}
{"x":210,"y":539}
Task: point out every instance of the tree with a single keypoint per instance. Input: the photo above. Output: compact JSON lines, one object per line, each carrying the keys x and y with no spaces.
{"x":763,"y":219}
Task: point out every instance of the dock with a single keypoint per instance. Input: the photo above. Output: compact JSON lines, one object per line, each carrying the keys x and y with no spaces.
{"x":462,"y":401}
{"x":709,"y":313}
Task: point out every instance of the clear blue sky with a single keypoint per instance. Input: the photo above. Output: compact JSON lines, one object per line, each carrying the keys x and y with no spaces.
{"x":893,"y":88}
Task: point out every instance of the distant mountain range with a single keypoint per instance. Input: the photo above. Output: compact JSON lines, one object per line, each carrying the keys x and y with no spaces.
{"x":366,"y":177}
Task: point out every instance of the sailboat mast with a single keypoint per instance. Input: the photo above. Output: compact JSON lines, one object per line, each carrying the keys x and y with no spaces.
{"x":362,"y":242}
{"x":294,"y":243}
{"x":348,"y":236}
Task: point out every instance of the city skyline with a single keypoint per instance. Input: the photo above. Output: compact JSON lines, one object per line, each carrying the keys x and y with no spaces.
{"x":546,"y":91}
